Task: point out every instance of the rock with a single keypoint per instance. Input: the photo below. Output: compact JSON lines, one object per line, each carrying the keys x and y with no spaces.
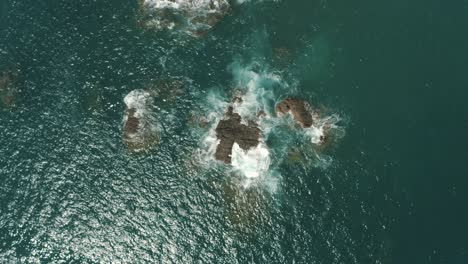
{"x":298,"y":109}
{"x":140,"y":127}
{"x":132,"y":123}
{"x":230,"y":131}
{"x":261,"y":113}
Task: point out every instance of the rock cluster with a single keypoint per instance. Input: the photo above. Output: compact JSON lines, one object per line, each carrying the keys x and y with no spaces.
{"x":230,"y":131}
{"x":298,"y":108}
{"x":318,"y":129}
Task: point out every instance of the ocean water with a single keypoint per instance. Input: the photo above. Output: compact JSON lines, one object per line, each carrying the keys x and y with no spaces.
{"x":389,"y":186}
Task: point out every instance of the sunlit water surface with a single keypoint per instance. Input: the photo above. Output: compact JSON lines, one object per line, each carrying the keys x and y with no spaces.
{"x":72,"y":192}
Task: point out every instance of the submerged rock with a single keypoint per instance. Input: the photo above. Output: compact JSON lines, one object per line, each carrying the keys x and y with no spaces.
{"x":7,"y":89}
{"x":298,"y":109}
{"x":230,"y":131}
{"x":140,"y":129}
{"x":168,"y":90}
{"x":193,"y":16}
{"x":282,"y":56}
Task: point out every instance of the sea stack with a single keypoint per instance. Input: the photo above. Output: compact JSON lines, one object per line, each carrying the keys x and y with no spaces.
{"x":140,"y":127}
{"x":230,"y":131}
{"x":299,"y":110}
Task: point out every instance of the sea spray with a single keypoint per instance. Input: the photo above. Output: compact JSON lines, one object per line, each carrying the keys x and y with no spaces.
{"x":141,"y":129}
{"x":209,"y":5}
{"x":323,"y":127}
{"x":255,"y":98}
{"x":253,"y":162}
{"x":139,"y":100}
{"x":217,"y":109}
{"x":253,"y":101}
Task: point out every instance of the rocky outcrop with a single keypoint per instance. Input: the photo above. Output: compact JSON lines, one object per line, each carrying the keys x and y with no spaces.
{"x":298,"y":108}
{"x":230,"y":131}
{"x":140,"y":127}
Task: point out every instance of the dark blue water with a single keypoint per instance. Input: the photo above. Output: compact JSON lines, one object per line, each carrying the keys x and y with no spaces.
{"x":392,"y":190}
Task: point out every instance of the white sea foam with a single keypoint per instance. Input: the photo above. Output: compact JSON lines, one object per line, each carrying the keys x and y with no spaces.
{"x":254,"y":95}
{"x":217,"y":108}
{"x":316,"y":134}
{"x":148,"y":127}
{"x":191,"y":16}
{"x":139,"y":100}
{"x":253,"y":162}
{"x":321,"y":126}
{"x":255,"y":88}
{"x":194,"y":5}
{"x":258,"y":91}
{"x":209,"y":144}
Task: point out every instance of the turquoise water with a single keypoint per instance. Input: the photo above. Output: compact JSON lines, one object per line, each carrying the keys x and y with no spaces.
{"x":389,"y":189}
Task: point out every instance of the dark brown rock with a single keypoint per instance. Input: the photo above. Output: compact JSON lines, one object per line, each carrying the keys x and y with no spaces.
{"x":298,"y":109}
{"x":132,"y":123}
{"x":230,"y":131}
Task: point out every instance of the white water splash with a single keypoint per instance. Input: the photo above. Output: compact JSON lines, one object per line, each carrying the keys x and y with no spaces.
{"x":190,"y":16}
{"x":255,"y":90}
{"x":255,"y":99}
{"x":321,"y":127}
{"x":148,"y":128}
{"x":139,"y":100}
{"x":194,"y":5}
{"x":253,"y":162}
{"x":249,"y":100}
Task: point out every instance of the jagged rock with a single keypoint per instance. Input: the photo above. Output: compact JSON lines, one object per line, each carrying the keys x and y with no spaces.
{"x":140,"y":127}
{"x":230,"y":131}
{"x":298,"y":109}
{"x":193,"y":16}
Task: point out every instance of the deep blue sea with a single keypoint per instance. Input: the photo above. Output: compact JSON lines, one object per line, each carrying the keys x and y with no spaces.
{"x":390,"y":187}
